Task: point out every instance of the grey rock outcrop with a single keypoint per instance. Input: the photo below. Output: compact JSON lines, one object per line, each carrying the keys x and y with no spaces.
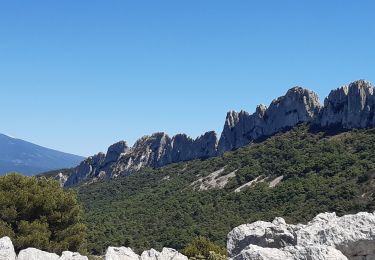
{"x":6,"y":249}
{"x":290,"y":253}
{"x":352,"y":236}
{"x":120,"y":253}
{"x":348,"y":107}
{"x":113,"y":253}
{"x":125,"y":253}
{"x":86,"y":170}
{"x":264,"y":234}
{"x":67,"y":255}
{"x":36,"y":254}
{"x":61,"y":178}
{"x":297,"y":106}
{"x":165,"y":254}
{"x":149,"y":151}
{"x":115,"y":151}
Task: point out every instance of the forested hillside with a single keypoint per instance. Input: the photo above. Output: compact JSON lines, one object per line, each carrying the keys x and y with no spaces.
{"x":169,"y":206}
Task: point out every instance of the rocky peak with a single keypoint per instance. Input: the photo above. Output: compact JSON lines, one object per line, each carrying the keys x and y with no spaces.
{"x":231,"y":119}
{"x":87,"y":169}
{"x":205,"y":146}
{"x":349,"y":107}
{"x":327,"y":236}
{"x":260,"y":110}
{"x":115,"y":151}
{"x":298,"y":105}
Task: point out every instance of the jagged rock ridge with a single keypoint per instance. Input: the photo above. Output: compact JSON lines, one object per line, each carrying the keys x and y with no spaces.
{"x":297,"y":106}
{"x":348,"y":107}
{"x":154,"y":151}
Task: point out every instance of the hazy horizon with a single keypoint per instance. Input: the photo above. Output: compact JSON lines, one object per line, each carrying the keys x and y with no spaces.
{"x":79,"y":76}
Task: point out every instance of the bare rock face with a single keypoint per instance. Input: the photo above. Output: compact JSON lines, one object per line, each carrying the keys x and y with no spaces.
{"x":149,"y":151}
{"x":120,"y":253}
{"x":88,"y":169}
{"x":352,"y":236}
{"x":115,"y":151}
{"x":61,"y":178}
{"x":350,"y":106}
{"x":36,"y":254}
{"x":6,"y":249}
{"x":67,"y":255}
{"x":124,"y":253}
{"x":290,"y":253}
{"x":277,"y":234}
{"x":297,"y":106}
{"x":165,"y":254}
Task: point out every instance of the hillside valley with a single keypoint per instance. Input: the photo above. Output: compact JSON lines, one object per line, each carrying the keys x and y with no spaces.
{"x":295,"y":175}
{"x":294,"y":159}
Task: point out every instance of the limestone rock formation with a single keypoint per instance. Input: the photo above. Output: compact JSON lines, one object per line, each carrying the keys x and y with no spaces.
{"x":353,"y":235}
{"x":290,"y":253}
{"x":277,"y":234}
{"x":165,"y":254}
{"x":120,"y":253}
{"x":348,"y":107}
{"x":88,"y":169}
{"x":61,"y":178}
{"x":349,"y":237}
{"x":115,"y":151}
{"x":36,"y":254}
{"x":125,"y":253}
{"x":113,"y":253}
{"x":297,"y":106}
{"x":67,"y":255}
{"x":6,"y":249}
{"x":149,"y":151}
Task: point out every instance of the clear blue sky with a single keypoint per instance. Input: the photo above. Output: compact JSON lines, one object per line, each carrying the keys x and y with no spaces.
{"x":78,"y":76}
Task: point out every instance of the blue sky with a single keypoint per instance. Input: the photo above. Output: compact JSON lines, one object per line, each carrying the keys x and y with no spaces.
{"x":78,"y":76}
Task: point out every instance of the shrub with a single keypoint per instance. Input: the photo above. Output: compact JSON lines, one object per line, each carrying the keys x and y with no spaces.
{"x":203,"y":248}
{"x":38,"y":213}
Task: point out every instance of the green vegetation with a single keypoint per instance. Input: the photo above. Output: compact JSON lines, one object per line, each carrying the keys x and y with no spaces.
{"x":38,"y":213}
{"x":203,"y":248}
{"x":159,"y":207}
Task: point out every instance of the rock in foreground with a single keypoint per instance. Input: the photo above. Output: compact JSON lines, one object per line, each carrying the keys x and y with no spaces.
{"x":325,"y":237}
{"x":7,"y":249}
{"x":113,"y":253}
{"x":125,"y":253}
{"x":36,"y":254}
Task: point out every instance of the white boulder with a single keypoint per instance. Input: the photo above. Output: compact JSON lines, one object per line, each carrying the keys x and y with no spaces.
{"x":353,"y":235}
{"x":125,"y":253}
{"x":325,"y":237}
{"x":36,"y":254}
{"x":265,"y":234}
{"x":290,"y":253}
{"x":67,"y":255}
{"x":171,"y":254}
{"x":120,"y":253}
{"x":7,"y":249}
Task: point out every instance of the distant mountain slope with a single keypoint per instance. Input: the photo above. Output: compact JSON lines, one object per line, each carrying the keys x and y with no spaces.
{"x":20,"y":156}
